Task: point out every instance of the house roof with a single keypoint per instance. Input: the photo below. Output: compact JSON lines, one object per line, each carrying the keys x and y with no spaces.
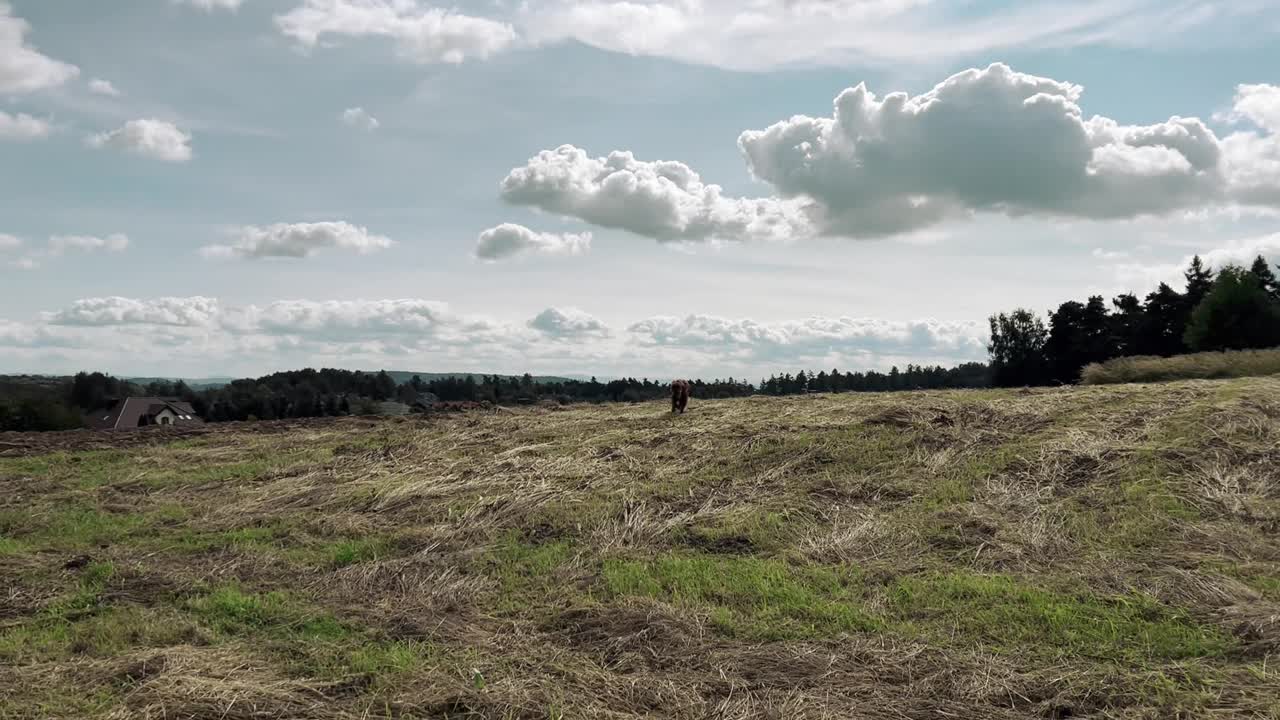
{"x":127,"y":412}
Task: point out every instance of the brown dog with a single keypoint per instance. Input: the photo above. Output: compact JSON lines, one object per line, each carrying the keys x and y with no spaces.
{"x":679,"y":395}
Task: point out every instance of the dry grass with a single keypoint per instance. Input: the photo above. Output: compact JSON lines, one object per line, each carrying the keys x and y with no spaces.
{"x":1105,"y":552}
{"x":1198,"y":366}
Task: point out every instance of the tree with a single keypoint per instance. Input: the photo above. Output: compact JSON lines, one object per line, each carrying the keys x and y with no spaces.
{"x":1165,"y":322}
{"x":1199,"y":282}
{"x":1064,"y":347}
{"x":1017,"y":349}
{"x":1266,"y":279}
{"x":1237,"y":314}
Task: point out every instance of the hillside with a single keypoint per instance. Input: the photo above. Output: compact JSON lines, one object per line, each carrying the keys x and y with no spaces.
{"x":1105,"y":551}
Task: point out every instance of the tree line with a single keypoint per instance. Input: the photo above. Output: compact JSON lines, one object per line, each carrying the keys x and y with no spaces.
{"x":1232,"y":308}
{"x":915,"y":377}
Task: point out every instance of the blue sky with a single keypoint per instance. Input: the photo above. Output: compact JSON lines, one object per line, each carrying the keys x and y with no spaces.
{"x":210,"y":187}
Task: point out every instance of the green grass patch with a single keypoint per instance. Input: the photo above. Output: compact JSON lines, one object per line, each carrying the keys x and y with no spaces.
{"x":524,"y":568}
{"x":749,"y":597}
{"x":310,"y":641}
{"x":85,"y":469}
{"x":1002,"y":614}
{"x":349,"y":552}
{"x":232,"y":611}
{"x":69,"y":528}
{"x":10,"y":546}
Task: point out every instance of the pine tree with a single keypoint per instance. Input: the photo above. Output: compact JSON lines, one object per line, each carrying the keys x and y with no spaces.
{"x":1266,"y":279}
{"x":1126,"y":325}
{"x":1165,"y":322}
{"x":1199,"y":281}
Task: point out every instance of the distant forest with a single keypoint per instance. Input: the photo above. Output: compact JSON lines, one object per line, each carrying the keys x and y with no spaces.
{"x":1232,"y":308}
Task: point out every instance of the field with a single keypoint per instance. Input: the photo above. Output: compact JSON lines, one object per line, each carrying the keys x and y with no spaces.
{"x":1107,"y":551}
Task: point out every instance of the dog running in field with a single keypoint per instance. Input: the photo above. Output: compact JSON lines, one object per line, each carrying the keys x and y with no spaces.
{"x":679,"y":395}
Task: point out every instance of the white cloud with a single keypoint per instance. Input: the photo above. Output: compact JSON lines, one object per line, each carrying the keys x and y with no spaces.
{"x":27,"y":335}
{"x":108,"y":311}
{"x":1258,"y":104}
{"x":664,"y":200}
{"x":1252,"y":157}
{"x":22,"y":127}
{"x":59,"y":244}
{"x":358,"y":117}
{"x":151,"y":138}
{"x":766,"y":34}
{"x":9,"y":242}
{"x":568,"y":324}
{"x":509,"y":240}
{"x":990,"y":140}
{"x":210,"y":5}
{"x":24,"y":263}
{"x":298,"y":240}
{"x":815,"y":339}
{"x":22,"y":68}
{"x":98,"y":86}
{"x":359,"y":320}
{"x":422,"y":34}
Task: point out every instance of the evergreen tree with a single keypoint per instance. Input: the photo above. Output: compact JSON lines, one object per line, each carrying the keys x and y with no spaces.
{"x":1165,"y":322}
{"x":1237,"y":314}
{"x":1065,"y":345}
{"x":1199,"y":282}
{"x":1266,"y":279}
{"x":1126,"y":325}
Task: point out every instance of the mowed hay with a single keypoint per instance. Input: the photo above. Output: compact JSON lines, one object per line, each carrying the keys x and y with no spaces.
{"x":1106,"y":552}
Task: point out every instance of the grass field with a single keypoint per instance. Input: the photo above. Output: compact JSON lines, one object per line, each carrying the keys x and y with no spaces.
{"x":1085,"y":552}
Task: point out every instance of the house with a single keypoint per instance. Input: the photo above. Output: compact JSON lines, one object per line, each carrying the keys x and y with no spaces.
{"x":136,"y":412}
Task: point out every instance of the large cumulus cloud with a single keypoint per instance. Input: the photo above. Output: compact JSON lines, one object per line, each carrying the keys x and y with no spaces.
{"x":665,"y":200}
{"x":990,"y":140}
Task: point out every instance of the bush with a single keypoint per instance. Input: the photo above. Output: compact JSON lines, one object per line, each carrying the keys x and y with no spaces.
{"x":1200,"y":366}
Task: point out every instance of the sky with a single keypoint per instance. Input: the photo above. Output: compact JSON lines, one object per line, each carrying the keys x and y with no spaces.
{"x":658,"y":188}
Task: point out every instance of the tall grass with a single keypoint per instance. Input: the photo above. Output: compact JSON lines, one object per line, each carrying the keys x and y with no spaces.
{"x":1200,"y":366}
